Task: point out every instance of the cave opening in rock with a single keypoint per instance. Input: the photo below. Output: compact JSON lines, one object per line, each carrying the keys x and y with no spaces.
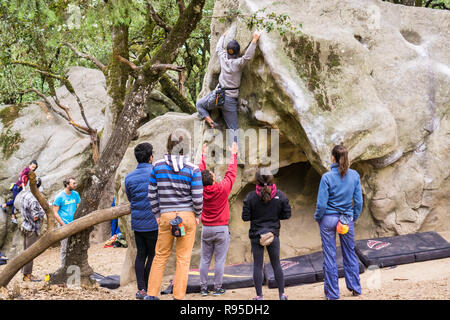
{"x":298,"y":235}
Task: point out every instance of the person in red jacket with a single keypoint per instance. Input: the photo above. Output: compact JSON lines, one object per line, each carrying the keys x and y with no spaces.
{"x":215,"y":218}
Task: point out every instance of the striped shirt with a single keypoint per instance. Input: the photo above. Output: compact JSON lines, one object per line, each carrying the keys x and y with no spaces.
{"x":175,"y":185}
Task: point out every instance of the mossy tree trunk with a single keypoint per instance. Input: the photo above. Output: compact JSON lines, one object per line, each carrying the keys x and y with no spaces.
{"x":127,"y":123}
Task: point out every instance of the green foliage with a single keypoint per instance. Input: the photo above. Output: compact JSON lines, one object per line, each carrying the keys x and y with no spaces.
{"x":10,"y":142}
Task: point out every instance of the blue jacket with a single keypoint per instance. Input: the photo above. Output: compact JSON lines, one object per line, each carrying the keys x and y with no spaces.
{"x":136,"y":188}
{"x":339,"y":196}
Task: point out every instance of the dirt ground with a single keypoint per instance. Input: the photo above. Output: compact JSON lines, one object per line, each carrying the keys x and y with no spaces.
{"x":421,"y":280}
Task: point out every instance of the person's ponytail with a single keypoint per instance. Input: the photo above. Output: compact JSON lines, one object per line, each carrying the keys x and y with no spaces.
{"x":340,"y":154}
{"x":265,"y":182}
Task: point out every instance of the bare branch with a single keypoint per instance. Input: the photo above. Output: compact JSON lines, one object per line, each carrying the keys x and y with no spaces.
{"x":39,"y":69}
{"x":127,"y":62}
{"x":100,"y":65}
{"x":158,"y":20}
{"x":164,"y":67}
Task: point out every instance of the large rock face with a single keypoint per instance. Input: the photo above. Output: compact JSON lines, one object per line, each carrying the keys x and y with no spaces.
{"x":58,"y":148}
{"x":369,"y":74}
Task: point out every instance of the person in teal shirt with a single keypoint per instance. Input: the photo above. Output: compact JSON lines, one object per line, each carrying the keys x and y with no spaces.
{"x":64,"y":207}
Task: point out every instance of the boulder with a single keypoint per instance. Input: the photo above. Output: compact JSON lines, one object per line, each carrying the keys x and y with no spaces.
{"x":369,"y":74}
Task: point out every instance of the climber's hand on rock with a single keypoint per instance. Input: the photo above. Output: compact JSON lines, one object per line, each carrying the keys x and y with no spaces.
{"x":234,"y":148}
{"x":256,"y":36}
{"x":204,"y":149}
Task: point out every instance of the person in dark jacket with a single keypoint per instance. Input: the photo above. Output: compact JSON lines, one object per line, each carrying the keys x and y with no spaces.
{"x":264,"y":208}
{"x":143,"y":221}
{"x":339,"y":198}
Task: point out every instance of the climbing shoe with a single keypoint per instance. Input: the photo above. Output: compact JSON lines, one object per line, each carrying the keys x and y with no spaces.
{"x":258,"y":298}
{"x":151,"y":298}
{"x":283,"y":297}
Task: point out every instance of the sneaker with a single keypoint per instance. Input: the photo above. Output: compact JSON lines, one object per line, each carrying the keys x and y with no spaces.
{"x":283,"y":297}
{"x":218,"y":292}
{"x":258,"y":298}
{"x":30,"y":278}
{"x":151,"y":298}
{"x":14,"y":220}
{"x":4,"y":209}
{"x":141,"y":294}
{"x":204,"y":292}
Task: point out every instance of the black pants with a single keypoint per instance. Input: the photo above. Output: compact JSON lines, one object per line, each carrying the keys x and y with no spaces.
{"x":258,"y":261}
{"x":145,"y":244}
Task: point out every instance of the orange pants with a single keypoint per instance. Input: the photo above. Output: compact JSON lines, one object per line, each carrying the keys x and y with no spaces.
{"x":163,"y":250}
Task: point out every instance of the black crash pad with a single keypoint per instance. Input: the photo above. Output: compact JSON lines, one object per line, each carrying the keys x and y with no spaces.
{"x":234,"y":276}
{"x":409,"y":248}
{"x":3,"y":261}
{"x":316,"y":260}
{"x":296,"y":270}
{"x":110,"y":282}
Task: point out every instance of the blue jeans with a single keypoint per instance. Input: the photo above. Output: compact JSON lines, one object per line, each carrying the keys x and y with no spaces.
{"x":229,"y":112}
{"x":351,"y":266}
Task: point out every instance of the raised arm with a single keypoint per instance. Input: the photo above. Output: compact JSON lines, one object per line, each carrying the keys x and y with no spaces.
{"x":230,"y":174}
{"x":250,"y":52}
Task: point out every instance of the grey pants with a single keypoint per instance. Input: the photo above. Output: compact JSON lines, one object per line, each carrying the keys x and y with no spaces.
{"x":63,"y":251}
{"x":29,"y":238}
{"x":215,"y":240}
{"x":229,"y":112}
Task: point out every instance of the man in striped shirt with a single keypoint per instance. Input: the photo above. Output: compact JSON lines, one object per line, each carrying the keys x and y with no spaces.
{"x":175,"y":189}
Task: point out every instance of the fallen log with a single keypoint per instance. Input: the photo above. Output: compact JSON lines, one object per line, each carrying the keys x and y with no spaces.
{"x":53,"y":236}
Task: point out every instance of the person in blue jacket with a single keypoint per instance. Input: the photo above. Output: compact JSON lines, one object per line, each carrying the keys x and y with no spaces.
{"x":143,"y":221}
{"x":339,"y":195}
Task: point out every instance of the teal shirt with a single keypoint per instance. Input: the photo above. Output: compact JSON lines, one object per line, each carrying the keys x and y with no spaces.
{"x":67,"y":205}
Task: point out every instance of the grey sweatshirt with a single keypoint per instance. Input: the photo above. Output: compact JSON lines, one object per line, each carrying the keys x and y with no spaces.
{"x":231,"y":69}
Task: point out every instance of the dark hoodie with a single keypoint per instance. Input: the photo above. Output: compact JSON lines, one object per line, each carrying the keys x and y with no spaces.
{"x":216,"y":210}
{"x":265,"y":217}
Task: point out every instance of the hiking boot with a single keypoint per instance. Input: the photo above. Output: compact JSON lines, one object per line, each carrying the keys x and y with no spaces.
{"x":141,"y":294}
{"x":283,"y":297}
{"x":151,"y":298}
{"x":219,"y":292}
{"x":30,"y":278}
{"x":258,"y":298}
{"x":204,"y":292}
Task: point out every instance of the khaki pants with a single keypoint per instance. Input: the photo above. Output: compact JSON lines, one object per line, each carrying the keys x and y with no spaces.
{"x":163,"y":250}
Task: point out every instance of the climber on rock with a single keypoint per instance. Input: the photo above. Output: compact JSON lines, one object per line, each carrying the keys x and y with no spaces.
{"x":225,"y":96}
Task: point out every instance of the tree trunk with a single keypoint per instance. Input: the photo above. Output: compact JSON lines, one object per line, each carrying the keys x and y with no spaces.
{"x":124,"y":130}
{"x":171,"y":91}
{"x":51,"y":237}
{"x":117,"y":73}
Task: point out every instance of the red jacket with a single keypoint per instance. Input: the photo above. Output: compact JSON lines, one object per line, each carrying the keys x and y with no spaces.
{"x":216,"y":210}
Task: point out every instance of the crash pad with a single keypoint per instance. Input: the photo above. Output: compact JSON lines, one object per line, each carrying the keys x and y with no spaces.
{"x":296,"y":270}
{"x":110,"y":282}
{"x":3,"y":261}
{"x":409,"y":248}
{"x":234,"y":276}
{"x":316,"y":260}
